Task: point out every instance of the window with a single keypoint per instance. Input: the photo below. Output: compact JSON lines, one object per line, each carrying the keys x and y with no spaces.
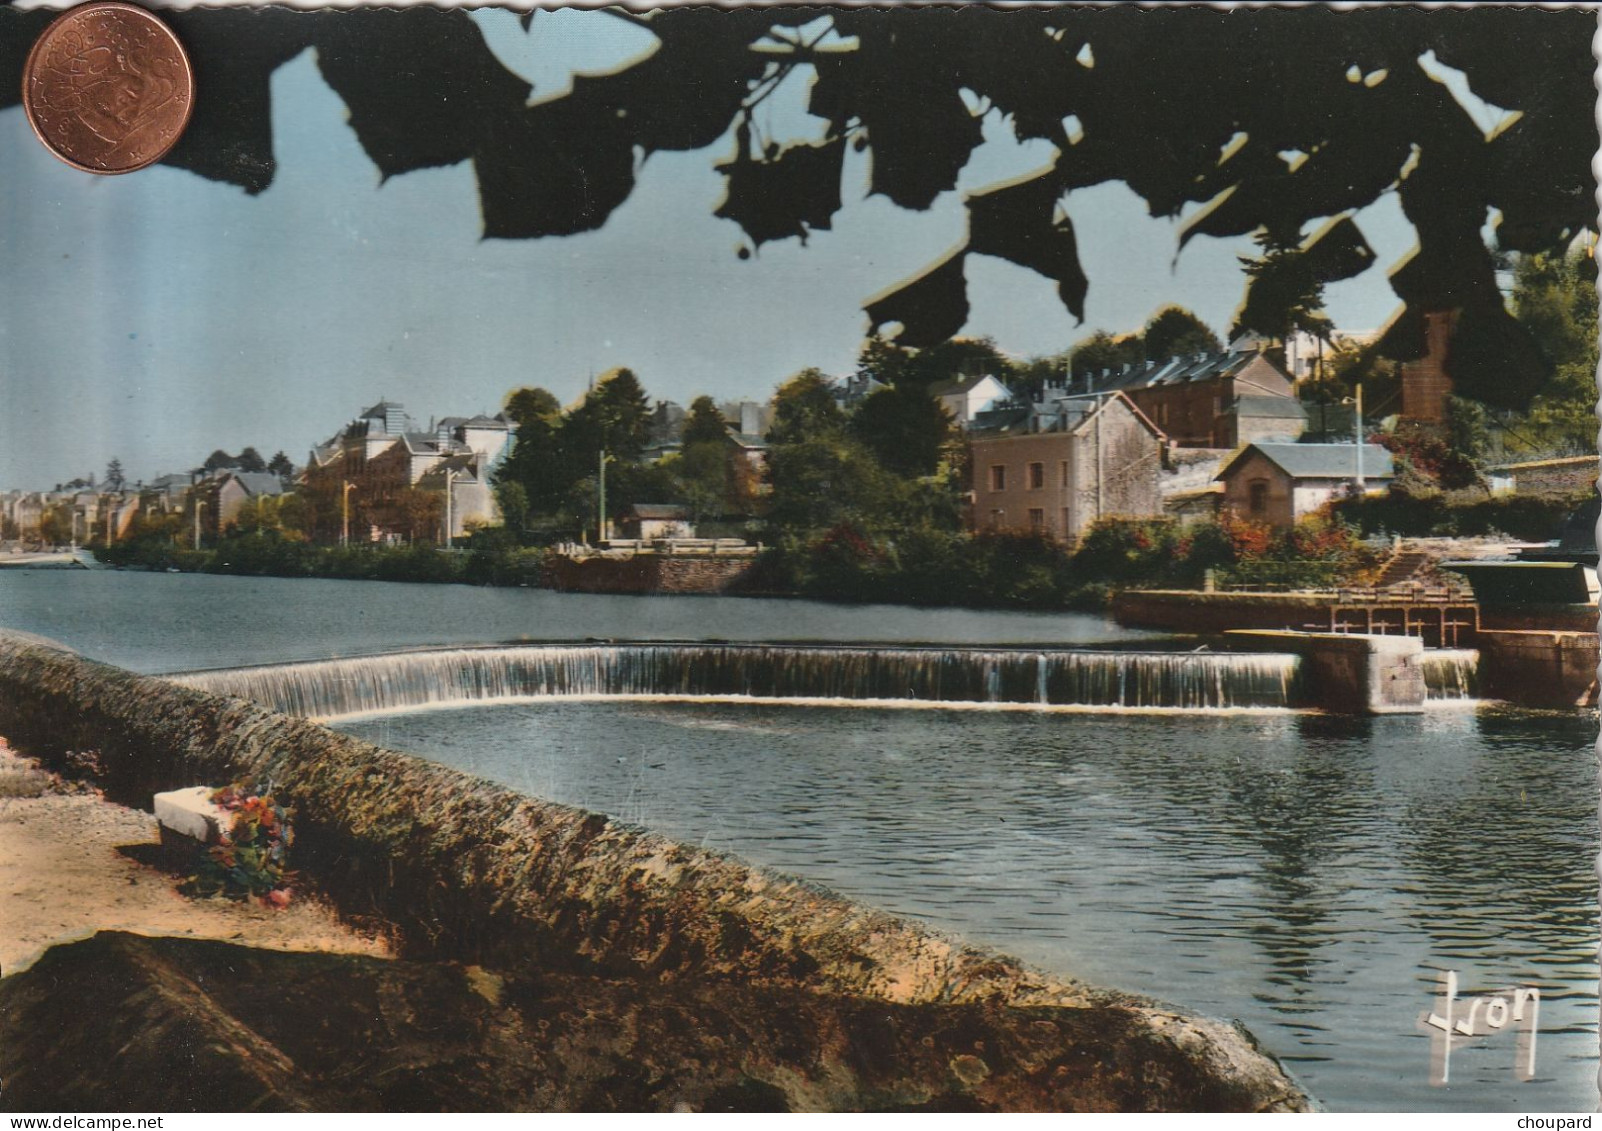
{"x":1037,"y":476}
{"x":1257,"y":492}
{"x":998,"y":519}
{"x":1067,"y":523}
{"x":1037,"y":519}
{"x":1063,"y":467}
{"x":998,"y":477}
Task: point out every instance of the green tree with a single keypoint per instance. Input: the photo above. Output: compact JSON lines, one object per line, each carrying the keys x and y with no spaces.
{"x":529,"y":405}
{"x":705,"y":424}
{"x":804,"y":408}
{"x":1555,"y":299}
{"x":614,"y":417}
{"x":512,"y":497}
{"x":114,"y":476}
{"x":701,"y":471}
{"x":1174,"y":331}
{"x":1102,"y":351}
{"x":281,"y":466}
{"x":904,"y":428}
{"x":250,"y":460}
{"x":1284,"y":292}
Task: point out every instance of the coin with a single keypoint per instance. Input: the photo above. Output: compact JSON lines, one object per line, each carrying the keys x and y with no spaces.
{"x":107,"y":88}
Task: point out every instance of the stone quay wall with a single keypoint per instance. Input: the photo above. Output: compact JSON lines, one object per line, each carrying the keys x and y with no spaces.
{"x":469,"y":871}
{"x":647,"y":573}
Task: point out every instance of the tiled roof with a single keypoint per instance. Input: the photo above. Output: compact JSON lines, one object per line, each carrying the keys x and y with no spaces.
{"x":260,"y":482}
{"x":1279,"y":408}
{"x":959,"y":385}
{"x":668,"y":511}
{"x":1320,"y":461}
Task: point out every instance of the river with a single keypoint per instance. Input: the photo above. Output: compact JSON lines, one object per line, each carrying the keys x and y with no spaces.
{"x":1307,"y":874}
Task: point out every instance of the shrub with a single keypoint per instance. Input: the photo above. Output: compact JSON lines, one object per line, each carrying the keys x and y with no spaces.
{"x":251,"y":858}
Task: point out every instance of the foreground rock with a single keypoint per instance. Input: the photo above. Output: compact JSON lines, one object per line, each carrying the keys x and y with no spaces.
{"x":193,"y":1025}
{"x":470,"y":872}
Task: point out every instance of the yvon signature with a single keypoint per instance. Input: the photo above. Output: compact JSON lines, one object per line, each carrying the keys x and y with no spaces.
{"x":1456,"y":1021}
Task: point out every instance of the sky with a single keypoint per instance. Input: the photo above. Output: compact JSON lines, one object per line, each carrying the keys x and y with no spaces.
{"x":157,"y":316}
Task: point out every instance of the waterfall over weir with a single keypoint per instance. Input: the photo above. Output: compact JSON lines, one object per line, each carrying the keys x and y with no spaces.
{"x":370,"y":684}
{"x":1451,"y":673}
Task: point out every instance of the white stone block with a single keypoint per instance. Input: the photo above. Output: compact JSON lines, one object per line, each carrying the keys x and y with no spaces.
{"x":190,"y":813}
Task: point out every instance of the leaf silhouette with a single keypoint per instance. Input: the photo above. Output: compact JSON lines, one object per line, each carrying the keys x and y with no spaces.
{"x":796,"y":191}
{"x":1266,"y":119}
{"x":930,"y":308}
{"x":1018,"y":223}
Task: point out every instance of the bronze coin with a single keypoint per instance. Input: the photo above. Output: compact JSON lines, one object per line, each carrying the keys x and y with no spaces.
{"x":107,"y":88}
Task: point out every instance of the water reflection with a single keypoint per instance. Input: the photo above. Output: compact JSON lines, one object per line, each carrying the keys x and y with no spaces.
{"x":1306,"y":874}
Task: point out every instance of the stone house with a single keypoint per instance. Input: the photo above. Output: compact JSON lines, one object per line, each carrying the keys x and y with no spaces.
{"x":1209,"y":400}
{"x":382,"y":456}
{"x":1280,"y":483}
{"x":651,"y":521}
{"x":1095,"y":457}
{"x":235,"y":488}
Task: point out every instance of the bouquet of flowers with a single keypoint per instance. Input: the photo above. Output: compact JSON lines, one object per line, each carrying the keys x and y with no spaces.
{"x":250,"y":858}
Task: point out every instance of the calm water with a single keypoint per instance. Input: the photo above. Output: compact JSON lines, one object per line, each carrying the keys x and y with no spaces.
{"x":161,"y":622}
{"x":1305,"y":874}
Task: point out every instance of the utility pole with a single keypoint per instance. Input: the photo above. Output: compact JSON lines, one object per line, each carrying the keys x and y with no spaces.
{"x":600,"y":513}
{"x":200,"y":505}
{"x":449,"y":526}
{"x":1100,"y":464}
{"x":344,"y":512}
{"x":1357,"y":431}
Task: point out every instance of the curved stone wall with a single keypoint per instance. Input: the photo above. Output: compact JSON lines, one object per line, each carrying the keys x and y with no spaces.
{"x":468,"y":870}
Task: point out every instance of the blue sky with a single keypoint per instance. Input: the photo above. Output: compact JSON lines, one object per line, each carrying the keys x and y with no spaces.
{"x":157,"y":316}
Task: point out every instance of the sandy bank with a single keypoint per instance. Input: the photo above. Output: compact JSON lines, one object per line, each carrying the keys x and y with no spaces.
{"x":72,"y":864}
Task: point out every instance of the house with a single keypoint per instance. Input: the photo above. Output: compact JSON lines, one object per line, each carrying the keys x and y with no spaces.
{"x":1208,"y":400}
{"x":463,"y":486}
{"x":651,"y":521}
{"x":367,"y":472}
{"x":1056,"y":472}
{"x":966,"y":397}
{"x":1279,"y":483}
{"x":235,"y":488}
{"x":854,"y":388}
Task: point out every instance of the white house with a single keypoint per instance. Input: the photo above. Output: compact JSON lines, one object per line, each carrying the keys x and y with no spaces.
{"x":966,"y":397}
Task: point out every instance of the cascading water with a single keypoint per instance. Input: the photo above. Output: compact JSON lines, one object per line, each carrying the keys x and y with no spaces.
{"x":1451,"y":673}
{"x":365,"y":685}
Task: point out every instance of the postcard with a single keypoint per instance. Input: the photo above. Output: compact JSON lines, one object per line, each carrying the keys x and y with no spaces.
{"x":798,"y":558}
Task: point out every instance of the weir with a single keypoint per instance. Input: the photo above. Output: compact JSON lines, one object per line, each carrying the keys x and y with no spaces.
{"x":1451,"y":674}
{"x":469,"y":872}
{"x":957,"y":676}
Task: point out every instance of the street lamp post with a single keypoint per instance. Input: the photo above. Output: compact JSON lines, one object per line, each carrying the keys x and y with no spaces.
{"x":344,"y":513}
{"x":600,"y":516}
{"x":1358,"y":433}
{"x":200,"y":504}
{"x":449,"y":525}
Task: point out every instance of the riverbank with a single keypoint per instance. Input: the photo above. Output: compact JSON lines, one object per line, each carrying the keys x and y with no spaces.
{"x":472,"y":873}
{"x":72,"y":864}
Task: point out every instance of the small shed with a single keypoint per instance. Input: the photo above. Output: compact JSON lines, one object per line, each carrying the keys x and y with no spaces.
{"x":650,"y":521}
{"x":1279,"y":483}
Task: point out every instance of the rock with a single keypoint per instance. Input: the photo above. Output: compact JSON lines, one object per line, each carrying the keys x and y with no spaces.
{"x":121,"y":1022}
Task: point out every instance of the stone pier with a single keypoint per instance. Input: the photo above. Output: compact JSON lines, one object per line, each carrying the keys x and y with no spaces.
{"x":1348,"y":673}
{"x":1539,"y":668}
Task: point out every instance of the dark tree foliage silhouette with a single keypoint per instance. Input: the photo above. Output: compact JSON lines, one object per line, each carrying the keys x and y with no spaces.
{"x":1185,"y":106}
